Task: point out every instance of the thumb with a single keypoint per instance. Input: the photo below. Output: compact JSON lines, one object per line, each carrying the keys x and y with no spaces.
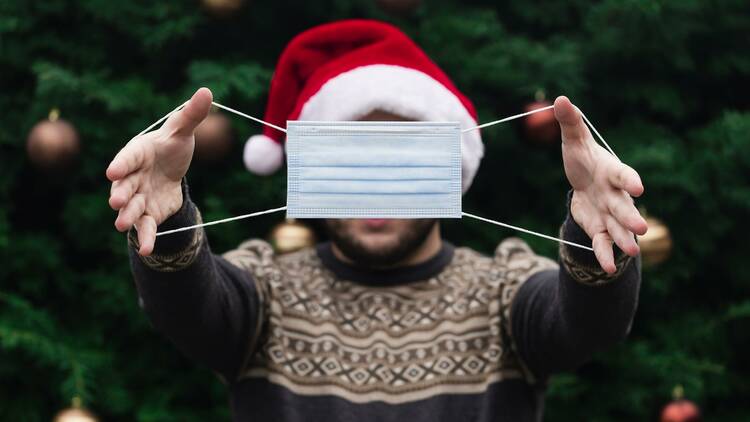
{"x":186,"y":120}
{"x":572,"y":127}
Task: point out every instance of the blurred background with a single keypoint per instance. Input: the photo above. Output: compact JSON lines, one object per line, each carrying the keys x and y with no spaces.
{"x":665,"y":82}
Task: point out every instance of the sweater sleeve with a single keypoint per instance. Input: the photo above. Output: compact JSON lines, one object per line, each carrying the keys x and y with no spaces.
{"x":560,"y":318}
{"x":209,"y":308}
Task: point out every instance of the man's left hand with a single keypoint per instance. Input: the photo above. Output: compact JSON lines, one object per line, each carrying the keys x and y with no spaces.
{"x":602,"y":189}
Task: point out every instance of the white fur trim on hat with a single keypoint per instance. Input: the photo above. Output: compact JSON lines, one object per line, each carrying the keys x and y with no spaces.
{"x":401,"y":91}
{"x":262,"y":155}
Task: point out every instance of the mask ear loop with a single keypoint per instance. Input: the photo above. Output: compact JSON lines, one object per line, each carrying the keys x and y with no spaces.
{"x":222,"y":221}
{"x":465,"y":214}
{"x":521,"y":229}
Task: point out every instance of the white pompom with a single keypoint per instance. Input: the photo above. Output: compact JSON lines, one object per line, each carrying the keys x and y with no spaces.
{"x":262,"y":155}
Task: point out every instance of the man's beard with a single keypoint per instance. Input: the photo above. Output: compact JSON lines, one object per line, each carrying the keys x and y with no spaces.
{"x":407,"y":243}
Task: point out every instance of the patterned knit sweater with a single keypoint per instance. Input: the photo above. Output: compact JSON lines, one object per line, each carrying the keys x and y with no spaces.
{"x":460,"y":337}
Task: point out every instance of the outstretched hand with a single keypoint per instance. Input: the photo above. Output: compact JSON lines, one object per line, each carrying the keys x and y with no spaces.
{"x":147,"y":173}
{"x":602,"y":189}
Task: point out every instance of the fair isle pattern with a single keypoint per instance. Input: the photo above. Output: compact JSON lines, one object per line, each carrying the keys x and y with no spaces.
{"x":176,"y":261}
{"x":445,"y":335}
{"x":591,"y":275}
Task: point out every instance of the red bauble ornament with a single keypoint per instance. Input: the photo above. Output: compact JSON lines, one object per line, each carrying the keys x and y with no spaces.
{"x":541,"y":127}
{"x":53,"y":143}
{"x":399,"y":7}
{"x":213,"y":137}
{"x":681,"y":410}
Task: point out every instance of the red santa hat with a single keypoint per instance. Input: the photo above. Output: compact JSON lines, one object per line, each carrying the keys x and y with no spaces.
{"x":343,"y":71}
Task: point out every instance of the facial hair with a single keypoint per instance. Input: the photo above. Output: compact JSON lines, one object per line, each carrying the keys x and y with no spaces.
{"x":407,"y":243}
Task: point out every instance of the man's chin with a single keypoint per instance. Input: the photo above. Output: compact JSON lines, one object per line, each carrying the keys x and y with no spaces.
{"x":378,"y":248}
{"x":375,"y":242}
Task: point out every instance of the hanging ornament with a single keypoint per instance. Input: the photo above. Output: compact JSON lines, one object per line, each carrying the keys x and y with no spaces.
{"x":53,"y":143}
{"x":222,"y":8}
{"x":399,"y":7}
{"x":76,"y":413}
{"x":656,"y":244}
{"x":213,"y":137}
{"x":541,"y":127}
{"x":680,"y":409}
{"x":290,"y":236}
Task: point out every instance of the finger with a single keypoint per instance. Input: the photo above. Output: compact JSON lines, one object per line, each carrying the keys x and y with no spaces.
{"x":129,"y":159}
{"x":586,"y":215}
{"x":572,"y":126}
{"x":622,"y":208}
{"x":186,"y":120}
{"x":624,"y":177}
{"x":622,"y":237}
{"x":146,"y":234}
{"x":122,"y":190}
{"x":602,"y":244}
{"x":130,"y":213}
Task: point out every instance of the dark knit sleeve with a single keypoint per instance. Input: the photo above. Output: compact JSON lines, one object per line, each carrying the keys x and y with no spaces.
{"x":208,"y":307}
{"x":560,"y":318}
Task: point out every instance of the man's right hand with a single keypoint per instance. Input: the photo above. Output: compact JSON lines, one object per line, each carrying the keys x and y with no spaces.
{"x":147,"y":173}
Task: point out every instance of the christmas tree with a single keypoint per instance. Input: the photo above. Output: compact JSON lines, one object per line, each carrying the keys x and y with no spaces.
{"x":663,"y":81}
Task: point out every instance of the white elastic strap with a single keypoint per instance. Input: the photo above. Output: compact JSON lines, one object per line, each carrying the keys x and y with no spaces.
{"x":166,"y":116}
{"x":247,"y":116}
{"x":521,"y":229}
{"x":221,"y":106}
{"x":537,"y":110}
{"x":507,"y":119}
{"x":224,"y":220}
{"x":586,"y":119}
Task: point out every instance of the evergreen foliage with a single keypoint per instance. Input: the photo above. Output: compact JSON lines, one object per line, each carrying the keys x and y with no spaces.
{"x":665,"y":81}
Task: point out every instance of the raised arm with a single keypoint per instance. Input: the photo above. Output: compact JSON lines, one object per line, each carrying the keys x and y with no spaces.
{"x":559,"y":318}
{"x":206,"y":306}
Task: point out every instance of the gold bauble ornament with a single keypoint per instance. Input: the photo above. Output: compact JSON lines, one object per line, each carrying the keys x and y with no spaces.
{"x":53,"y":143}
{"x":75,"y":414}
{"x":213,"y":137}
{"x":222,"y":8}
{"x":656,"y":244}
{"x":290,"y":236}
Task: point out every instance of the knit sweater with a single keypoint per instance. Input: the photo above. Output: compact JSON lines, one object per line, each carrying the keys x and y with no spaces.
{"x":460,"y":337}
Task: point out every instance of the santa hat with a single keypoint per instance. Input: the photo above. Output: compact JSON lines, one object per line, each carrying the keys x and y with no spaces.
{"x":343,"y":71}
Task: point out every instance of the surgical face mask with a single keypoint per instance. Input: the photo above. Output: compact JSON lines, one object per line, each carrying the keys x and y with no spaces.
{"x":373,"y":169}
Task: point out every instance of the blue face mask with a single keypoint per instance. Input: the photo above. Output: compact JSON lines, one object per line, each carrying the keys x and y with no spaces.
{"x":373,"y":169}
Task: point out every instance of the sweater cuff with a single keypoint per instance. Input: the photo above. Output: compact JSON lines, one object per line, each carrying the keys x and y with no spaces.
{"x":175,"y":251}
{"x":582,"y":264}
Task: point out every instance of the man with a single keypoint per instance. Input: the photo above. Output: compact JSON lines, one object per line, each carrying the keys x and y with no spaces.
{"x":387,"y":321}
